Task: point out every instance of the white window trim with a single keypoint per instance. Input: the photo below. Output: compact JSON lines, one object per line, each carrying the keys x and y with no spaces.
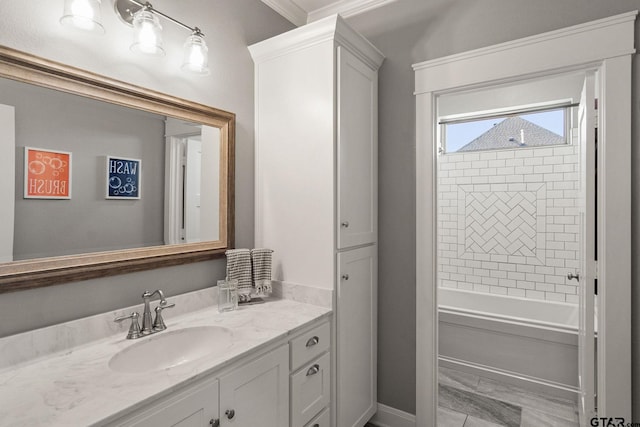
{"x":611,"y":45}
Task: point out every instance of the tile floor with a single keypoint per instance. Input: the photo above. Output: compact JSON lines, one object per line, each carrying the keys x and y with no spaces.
{"x":467,"y":400}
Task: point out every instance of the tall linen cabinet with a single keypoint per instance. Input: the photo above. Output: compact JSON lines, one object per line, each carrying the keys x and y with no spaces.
{"x":316,"y":188}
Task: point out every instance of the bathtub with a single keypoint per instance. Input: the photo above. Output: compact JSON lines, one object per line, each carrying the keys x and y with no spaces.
{"x":529,"y":343}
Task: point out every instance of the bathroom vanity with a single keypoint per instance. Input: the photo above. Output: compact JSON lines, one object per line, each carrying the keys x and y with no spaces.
{"x":270,"y":367}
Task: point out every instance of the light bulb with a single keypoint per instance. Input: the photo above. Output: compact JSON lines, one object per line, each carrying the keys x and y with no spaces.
{"x":196,"y":58}
{"x":82,"y":14}
{"x":147,"y":33}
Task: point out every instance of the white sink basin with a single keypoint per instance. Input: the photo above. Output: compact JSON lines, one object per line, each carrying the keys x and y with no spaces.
{"x":168,"y":349}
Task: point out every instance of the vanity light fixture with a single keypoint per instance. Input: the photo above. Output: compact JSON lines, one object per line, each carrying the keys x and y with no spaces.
{"x":143,"y":17}
{"x":82,"y":14}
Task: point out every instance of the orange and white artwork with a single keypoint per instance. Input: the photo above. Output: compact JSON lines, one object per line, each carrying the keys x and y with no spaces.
{"x":47,"y":174}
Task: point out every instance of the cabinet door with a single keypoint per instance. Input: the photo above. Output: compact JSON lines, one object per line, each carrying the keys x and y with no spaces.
{"x":196,"y":407}
{"x":357,"y":336}
{"x":357,"y":151}
{"x":257,"y":393}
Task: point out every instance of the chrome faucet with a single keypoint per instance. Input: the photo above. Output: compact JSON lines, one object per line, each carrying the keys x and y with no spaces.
{"x":147,"y":322}
{"x":148,"y":326}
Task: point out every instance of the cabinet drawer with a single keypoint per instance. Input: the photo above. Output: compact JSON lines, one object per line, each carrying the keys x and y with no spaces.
{"x":322,"y":420}
{"x":309,"y":345}
{"x":310,"y":390}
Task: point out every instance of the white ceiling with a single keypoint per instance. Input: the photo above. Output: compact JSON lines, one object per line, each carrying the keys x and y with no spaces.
{"x":301,"y":12}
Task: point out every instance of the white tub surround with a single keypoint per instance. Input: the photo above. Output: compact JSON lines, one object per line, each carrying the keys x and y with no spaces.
{"x":75,"y":386}
{"x":529,"y":343}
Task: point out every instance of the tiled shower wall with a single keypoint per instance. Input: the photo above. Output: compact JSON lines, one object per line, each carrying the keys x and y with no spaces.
{"x":508,"y":222}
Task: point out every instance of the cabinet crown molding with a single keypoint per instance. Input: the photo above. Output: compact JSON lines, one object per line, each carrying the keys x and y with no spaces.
{"x":330,"y":28}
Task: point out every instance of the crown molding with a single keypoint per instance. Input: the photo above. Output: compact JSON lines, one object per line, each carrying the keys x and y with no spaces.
{"x":330,"y":28}
{"x":299,"y":16}
{"x":289,"y":10}
{"x":346,"y":8}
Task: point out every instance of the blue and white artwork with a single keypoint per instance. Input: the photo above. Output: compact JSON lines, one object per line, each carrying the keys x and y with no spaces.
{"x":123,"y":178}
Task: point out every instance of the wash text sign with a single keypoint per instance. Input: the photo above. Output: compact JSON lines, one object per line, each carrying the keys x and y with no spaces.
{"x":123,"y":178}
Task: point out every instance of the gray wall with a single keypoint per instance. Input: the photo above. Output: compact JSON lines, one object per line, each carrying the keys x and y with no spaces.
{"x":90,"y":130}
{"x":230,"y":26}
{"x":421,"y":31}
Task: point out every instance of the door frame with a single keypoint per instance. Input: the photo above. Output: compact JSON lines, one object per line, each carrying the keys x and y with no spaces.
{"x":611,"y":46}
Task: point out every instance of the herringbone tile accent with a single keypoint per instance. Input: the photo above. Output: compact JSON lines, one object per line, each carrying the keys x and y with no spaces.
{"x":501,"y":223}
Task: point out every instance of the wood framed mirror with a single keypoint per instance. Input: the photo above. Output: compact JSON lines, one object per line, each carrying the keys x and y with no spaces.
{"x":89,"y":216}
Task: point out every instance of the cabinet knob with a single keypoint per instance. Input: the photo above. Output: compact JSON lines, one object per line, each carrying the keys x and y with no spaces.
{"x":345,"y":224}
{"x":572,"y":276}
{"x":313,"y":370}
{"x":214,"y":422}
{"x":230,"y":413}
{"x":313,"y":341}
{"x":345,"y":277}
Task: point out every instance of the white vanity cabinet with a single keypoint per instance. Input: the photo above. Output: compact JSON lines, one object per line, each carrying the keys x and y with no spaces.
{"x":250,"y":394}
{"x":195,"y":407}
{"x":289,"y":385}
{"x":316,"y":186}
{"x":257,"y":393}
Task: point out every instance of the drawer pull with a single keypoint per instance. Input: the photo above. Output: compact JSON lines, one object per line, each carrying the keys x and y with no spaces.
{"x":313,"y":341}
{"x":214,"y":422}
{"x":230,"y":413}
{"x":313,"y":370}
{"x":316,"y":425}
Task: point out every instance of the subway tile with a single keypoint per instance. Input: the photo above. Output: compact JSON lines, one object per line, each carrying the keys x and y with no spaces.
{"x":507,"y":283}
{"x":533,"y":178}
{"x":505,"y":171}
{"x":533,"y":277}
{"x":489,"y":155}
{"x":553,"y":296}
{"x":499,"y":290}
{"x":556,"y":279}
{"x":574,"y":299}
{"x":564,"y":167}
{"x":515,"y":162}
{"x":515,"y":178}
{"x":543,"y":152}
{"x":499,"y":274}
{"x":496,"y":179}
{"x":543,"y":169}
{"x":525,"y":268}
{"x":504,"y":266}
{"x":479,"y":164}
{"x":535,"y":294}
{"x":554,"y":177}
{"x":516,"y":275}
{"x":553,"y":160}
{"x":533,"y":161}
{"x":564,"y":150}
{"x":565,"y":289}
{"x":523,"y":284}
{"x":543,"y":269}
{"x":545,"y":287}
{"x":505,"y":155}
{"x":515,"y":292}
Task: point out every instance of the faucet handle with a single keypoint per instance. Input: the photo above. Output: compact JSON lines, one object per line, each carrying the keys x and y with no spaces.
{"x":158,"y":323}
{"x":134,"y":329}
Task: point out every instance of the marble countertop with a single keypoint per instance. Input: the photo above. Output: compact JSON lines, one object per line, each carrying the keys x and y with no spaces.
{"x":76,"y":387}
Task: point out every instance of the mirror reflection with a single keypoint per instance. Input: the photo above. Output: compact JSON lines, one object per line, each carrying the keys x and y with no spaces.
{"x":131,"y":178}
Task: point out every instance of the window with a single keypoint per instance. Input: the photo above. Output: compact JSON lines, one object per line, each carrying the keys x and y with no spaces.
{"x":524,"y":129}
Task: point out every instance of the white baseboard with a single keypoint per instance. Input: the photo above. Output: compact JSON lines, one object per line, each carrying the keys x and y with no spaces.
{"x":391,"y":417}
{"x":536,"y":385}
